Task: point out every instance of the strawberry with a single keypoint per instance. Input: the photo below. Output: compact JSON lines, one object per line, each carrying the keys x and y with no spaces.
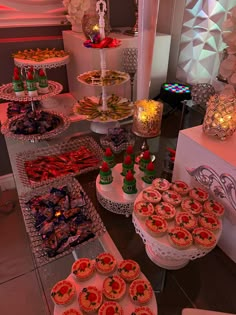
{"x":106,"y":260}
{"x":63,"y":290}
{"x":129,"y":150}
{"x":110,"y":310}
{"x":185,"y":218}
{"x":140,"y":289}
{"x":82,"y":266}
{"x":210,"y":220}
{"x":128,"y":160}
{"x":108,"y":152}
{"x":203,"y":235}
{"x":115,"y":285}
{"x":128,"y":267}
{"x":180,"y":234}
{"x":157,"y":222}
{"x":92,"y":297}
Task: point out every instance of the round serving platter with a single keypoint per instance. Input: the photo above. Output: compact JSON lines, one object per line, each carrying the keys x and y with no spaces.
{"x":112,"y":77}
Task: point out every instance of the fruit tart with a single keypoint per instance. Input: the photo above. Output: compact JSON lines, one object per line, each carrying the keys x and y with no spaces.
{"x":114,"y":288}
{"x":156,"y":225}
{"x":72,"y":311}
{"x":105,"y":263}
{"x":151,"y":195}
{"x":180,"y":238}
{"x":63,"y":292}
{"x":140,"y":291}
{"x":186,"y":220}
{"x":83,"y":268}
{"x":209,"y":221}
{"x":171,"y":197}
{"x":191,"y":205}
{"x":90,"y":299}
{"x":129,"y":270}
{"x":142,"y":310}
{"x":204,"y":238}
{"x":180,"y":187}
{"x":110,"y":308}
{"x":166,"y":210}
{"x":214,"y":207}
{"x":143,"y":209}
{"x":199,"y":194}
{"x":161,"y":184}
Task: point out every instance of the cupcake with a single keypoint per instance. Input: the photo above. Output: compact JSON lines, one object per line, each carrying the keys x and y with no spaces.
{"x":114,"y":288}
{"x":72,"y":311}
{"x":110,"y":308}
{"x":186,"y":220}
{"x":209,"y":221}
{"x":18,"y":84}
{"x":130,"y":151}
{"x":105,"y":263}
{"x":145,"y":159}
{"x":199,"y":194}
{"x":180,"y":187}
{"x":191,"y":205}
{"x":151,"y":195}
{"x":129,"y":186}
{"x":127,"y":165}
{"x":161,"y":184}
{"x":149,"y":174}
{"x":63,"y":292}
{"x":140,"y":291}
{"x":204,"y":238}
{"x":129,"y":270}
{"x":171,"y":197}
{"x":180,"y":238}
{"x":83,"y":268}
{"x":156,"y":225}
{"x":90,"y":299}
{"x":142,"y":310}
{"x":42,"y":82}
{"x":166,"y":210}
{"x":143,"y":209}
{"x":214,"y":207}
{"x":105,"y":177}
{"x":31,"y":84}
{"x":109,"y":158}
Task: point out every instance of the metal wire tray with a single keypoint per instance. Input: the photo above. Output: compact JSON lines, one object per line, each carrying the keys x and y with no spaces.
{"x":74,"y":187}
{"x":63,"y":147}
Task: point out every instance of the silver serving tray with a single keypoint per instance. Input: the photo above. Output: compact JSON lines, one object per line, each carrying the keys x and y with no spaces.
{"x":63,"y":147}
{"x":74,"y":186}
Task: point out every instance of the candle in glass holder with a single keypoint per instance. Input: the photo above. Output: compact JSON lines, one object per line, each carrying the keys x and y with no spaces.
{"x":147,"y":118}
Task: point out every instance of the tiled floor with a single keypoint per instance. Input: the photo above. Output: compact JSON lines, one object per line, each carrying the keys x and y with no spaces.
{"x":207,"y":283}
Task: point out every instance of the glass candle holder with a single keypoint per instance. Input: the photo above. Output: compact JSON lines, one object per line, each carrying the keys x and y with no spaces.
{"x":201,"y":93}
{"x":220,"y":117}
{"x":147,"y":118}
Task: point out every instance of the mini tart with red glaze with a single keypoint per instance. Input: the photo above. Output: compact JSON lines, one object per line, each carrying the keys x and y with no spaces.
{"x":72,"y":311}
{"x":199,"y":194}
{"x":214,"y":207}
{"x":90,"y":299}
{"x":151,"y":195}
{"x":142,"y":310}
{"x":180,"y":237}
{"x":204,"y":238}
{"x":209,"y":221}
{"x":186,"y":220}
{"x":83,"y":268}
{"x":166,"y":210}
{"x":105,"y":263}
{"x":129,"y":269}
{"x":161,"y":184}
{"x":180,"y":187}
{"x":143,"y":209}
{"x":114,"y":287}
{"x":171,"y":197}
{"x":156,"y":225}
{"x":191,"y":205}
{"x":63,"y":292}
{"x":110,"y":308}
{"x":140,"y":291}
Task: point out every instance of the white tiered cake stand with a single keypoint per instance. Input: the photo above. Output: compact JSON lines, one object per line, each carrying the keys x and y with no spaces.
{"x":161,"y":252}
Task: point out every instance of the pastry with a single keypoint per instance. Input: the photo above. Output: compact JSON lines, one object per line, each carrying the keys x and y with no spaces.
{"x":180,"y":187}
{"x":161,"y":184}
{"x":127,"y":165}
{"x":149,"y":173}
{"x":191,"y":205}
{"x":143,"y":209}
{"x":142,"y":310}
{"x":72,"y":311}
{"x":90,"y":299}
{"x":114,"y":287}
{"x":145,"y":159}
{"x":186,"y":220}
{"x":180,"y":238}
{"x":151,"y":195}
{"x":199,"y":194}
{"x":129,"y":269}
{"x":105,"y":263}
{"x":166,"y":210}
{"x":110,"y":308}
{"x":171,"y":197}
{"x":204,"y":238}
{"x":140,"y":291}
{"x":83,"y":268}
{"x":106,"y":177}
{"x":129,"y":186}
{"x":156,"y":225}
{"x":209,"y":221}
{"x":109,"y":158}
{"x":214,"y":207}
{"x":63,"y":292}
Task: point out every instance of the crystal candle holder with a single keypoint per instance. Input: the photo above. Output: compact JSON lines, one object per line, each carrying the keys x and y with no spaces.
{"x":220,"y":117}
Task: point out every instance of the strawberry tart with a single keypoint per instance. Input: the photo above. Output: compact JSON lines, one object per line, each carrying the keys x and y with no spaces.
{"x":214,"y":207}
{"x":90,"y":299}
{"x":142,"y":310}
{"x":186,"y":220}
{"x":83,"y":268}
{"x":72,"y":311}
{"x":166,"y":210}
{"x":191,"y":205}
{"x":63,"y":292}
{"x":110,"y":308}
{"x":209,"y":221}
{"x":114,"y":287}
{"x":143,"y":209}
{"x":180,"y":237}
{"x":199,"y":194}
{"x":161,"y":184}
{"x":180,"y":187}
{"x":156,"y":225}
{"x":171,"y":197}
{"x":129,"y":269}
{"x":140,"y":291}
{"x":204,"y":238}
{"x":151,"y":195}
{"x":105,"y":263}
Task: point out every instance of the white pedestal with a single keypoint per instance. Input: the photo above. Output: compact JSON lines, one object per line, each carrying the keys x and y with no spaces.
{"x":84,"y":59}
{"x":195,"y":149}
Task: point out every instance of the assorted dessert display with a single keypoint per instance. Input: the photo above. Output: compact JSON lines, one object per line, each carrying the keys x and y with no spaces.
{"x":39,"y":55}
{"x":117,"y":108}
{"x":111,"y":77}
{"x":182,"y":215}
{"x":105,"y":286}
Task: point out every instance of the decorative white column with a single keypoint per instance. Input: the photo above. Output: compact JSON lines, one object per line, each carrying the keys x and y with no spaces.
{"x":147,"y":21}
